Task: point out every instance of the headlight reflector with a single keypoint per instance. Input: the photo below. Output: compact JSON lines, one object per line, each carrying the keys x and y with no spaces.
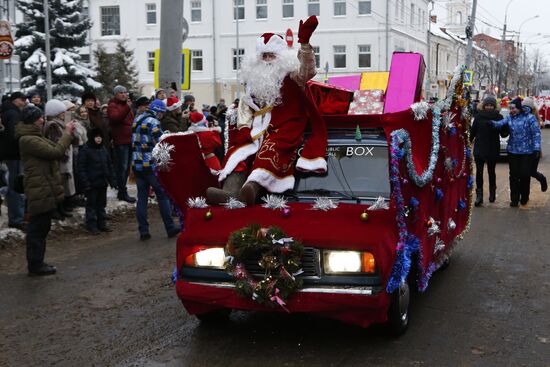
{"x":336,"y":262}
{"x":213,"y":257}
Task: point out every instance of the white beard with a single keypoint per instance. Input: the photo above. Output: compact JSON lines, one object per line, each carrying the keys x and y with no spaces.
{"x":263,"y":80}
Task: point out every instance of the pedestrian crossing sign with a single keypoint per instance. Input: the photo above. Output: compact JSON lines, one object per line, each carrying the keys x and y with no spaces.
{"x":185,"y":69}
{"x":468,"y":77}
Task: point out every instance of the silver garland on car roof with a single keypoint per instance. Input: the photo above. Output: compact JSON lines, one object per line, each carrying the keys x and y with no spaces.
{"x":420,"y":110}
{"x":380,"y":203}
{"x":274,"y":202}
{"x":233,"y":203}
{"x":162,"y":156}
{"x":198,"y":202}
{"x":324,"y":203}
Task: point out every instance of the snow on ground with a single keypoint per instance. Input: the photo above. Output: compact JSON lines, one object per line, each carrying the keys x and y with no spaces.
{"x":114,"y":206}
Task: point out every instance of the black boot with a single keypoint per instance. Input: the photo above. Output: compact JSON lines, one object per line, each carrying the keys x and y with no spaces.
{"x":61,"y":210}
{"x":543,"y":183}
{"x":492,"y":194}
{"x":479,"y":197}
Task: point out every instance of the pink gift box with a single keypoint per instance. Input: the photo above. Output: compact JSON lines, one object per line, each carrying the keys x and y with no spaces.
{"x":405,"y":81}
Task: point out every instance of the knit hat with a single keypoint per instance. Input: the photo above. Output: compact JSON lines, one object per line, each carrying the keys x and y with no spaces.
{"x":142,"y":101}
{"x":16,"y":95}
{"x":157,"y":91}
{"x":69,"y":104}
{"x":528,"y":102}
{"x":517,"y":103}
{"x":54,"y":107}
{"x":490,"y":100}
{"x":173,"y":103}
{"x":93,"y":133}
{"x":88,"y":95}
{"x":270,"y":43}
{"x":197,"y":118}
{"x":188,"y":98}
{"x":30,"y":114}
{"x":157,"y":106}
{"x":119,"y":89}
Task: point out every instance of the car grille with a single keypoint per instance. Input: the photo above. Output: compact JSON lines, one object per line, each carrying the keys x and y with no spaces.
{"x":310,"y":264}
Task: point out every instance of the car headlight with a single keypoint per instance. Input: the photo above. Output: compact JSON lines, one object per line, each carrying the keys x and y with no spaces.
{"x":344,"y":262}
{"x":213,"y":257}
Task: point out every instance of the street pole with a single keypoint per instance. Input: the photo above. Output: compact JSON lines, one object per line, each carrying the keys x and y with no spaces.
{"x":470,"y":34}
{"x":238,"y":56}
{"x":428,"y":84}
{"x":48,"y":51}
{"x":171,"y":31}
{"x":388,"y":35}
{"x":518,"y":48}
{"x":502,"y":46}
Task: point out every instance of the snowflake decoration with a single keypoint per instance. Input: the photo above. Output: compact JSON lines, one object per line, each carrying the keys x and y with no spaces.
{"x":198,"y":202}
{"x":233,"y":203}
{"x":434,"y":227}
{"x":324,"y":203}
{"x":420,"y":110}
{"x":380,"y":203}
{"x":274,"y":202}
{"x":447,"y":121}
{"x":451,"y":225}
{"x":161,"y":154}
{"x":439,"y":245}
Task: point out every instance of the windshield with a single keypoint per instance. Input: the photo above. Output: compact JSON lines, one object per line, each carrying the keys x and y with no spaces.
{"x":357,"y":170}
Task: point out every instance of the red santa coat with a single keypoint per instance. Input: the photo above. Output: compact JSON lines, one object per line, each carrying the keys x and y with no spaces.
{"x":275,"y":137}
{"x":209,"y":141}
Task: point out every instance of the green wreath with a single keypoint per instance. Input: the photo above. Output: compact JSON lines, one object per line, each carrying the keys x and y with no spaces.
{"x":279,"y":256}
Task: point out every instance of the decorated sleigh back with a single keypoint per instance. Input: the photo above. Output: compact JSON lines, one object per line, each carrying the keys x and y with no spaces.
{"x":181,"y":168}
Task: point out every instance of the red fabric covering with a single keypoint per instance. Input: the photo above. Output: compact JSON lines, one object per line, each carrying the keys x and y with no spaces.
{"x":188,"y":176}
{"x":353,"y":309}
{"x":330,"y":100}
{"x":210,"y":141}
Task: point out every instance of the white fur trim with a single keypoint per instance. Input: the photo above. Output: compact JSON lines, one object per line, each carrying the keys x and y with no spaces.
{"x":238,"y":156}
{"x":275,"y":45}
{"x":174,"y":106}
{"x":312,"y":165}
{"x":271,"y":182}
{"x":259,"y":124}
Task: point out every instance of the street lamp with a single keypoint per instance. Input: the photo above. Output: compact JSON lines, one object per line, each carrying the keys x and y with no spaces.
{"x":501,"y":64}
{"x":516,"y":84}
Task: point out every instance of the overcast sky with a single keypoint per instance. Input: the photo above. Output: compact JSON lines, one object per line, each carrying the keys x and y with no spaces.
{"x":490,"y":19}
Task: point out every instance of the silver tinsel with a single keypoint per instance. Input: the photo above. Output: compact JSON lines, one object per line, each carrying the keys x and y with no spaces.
{"x":451,"y":225}
{"x":198,"y":202}
{"x":449,"y":166}
{"x":161,"y":155}
{"x":274,"y":202}
{"x":439,"y":245}
{"x":447,"y":121}
{"x":420,"y":110}
{"x":324,"y":203}
{"x":434,"y":228}
{"x":380,"y":203}
{"x":233,"y":203}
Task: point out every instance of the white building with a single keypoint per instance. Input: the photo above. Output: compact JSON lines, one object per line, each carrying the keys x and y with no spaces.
{"x":353,"y":36}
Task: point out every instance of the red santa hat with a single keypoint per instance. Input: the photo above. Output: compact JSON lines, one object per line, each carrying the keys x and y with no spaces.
{"x":270,"y":43}
{"x":173,"y":103}
{"x":197,"y":118}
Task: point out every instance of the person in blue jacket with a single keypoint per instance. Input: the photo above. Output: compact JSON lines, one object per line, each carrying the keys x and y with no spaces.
{"x":523,"y":148}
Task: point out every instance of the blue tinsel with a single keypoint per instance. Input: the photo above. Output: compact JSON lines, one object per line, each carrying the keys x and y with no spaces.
{"x":452,"y":131}
{"x":414,"y":202}
{"x":470,"y":182}
{"x":174,"y":276}
{"x":461,"y":204}
{"x":438,"y":194}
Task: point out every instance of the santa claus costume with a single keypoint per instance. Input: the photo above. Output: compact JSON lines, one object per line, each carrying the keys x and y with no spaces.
{"x":272,"y":117}
{"x":209,"y":139}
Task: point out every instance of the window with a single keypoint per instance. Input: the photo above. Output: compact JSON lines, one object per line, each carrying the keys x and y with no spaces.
{"x":238,"y":9}
{"x":364,"y":56}
{"x":261,"y":9}
{"x":313,"y":8}
{"x":241,"y":54}
{"x":110,"y":21}
{"x":151,"y":61}
{"x":397,"y":9}
{"x":339,"y":7}
{"x":196,"y":11}
{"x":288,"y":8}
{"x":402,"y":2}
{"x":339,"y":56}
{"x":364,"y":7}
{"x":419,"y":24}
{"x":458,"y":18}
{"x":85,"y":58}
{"x":412,"y":15}
{"x":317,"y":53}
{"x":196,"y":60}
{"x":151,"y":13}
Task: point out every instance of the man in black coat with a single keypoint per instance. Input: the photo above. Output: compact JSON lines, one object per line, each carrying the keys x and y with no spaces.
{"x":9,"y":152}
{"x":486,"y":146}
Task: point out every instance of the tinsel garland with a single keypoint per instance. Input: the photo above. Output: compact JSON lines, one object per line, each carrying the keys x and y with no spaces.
{"x":161,"y":156}
{"x":324,"y":203}
{"x":274,"y":202}
{"x":420,"y":110}
{"x":198,"y":202}
{"x":379,"y":204}
{"x":233,"y":203}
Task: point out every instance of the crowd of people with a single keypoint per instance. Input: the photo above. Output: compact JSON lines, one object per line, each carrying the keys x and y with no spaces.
{"x":62,"y":154}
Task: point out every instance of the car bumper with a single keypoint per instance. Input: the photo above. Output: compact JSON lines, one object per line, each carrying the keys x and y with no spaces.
{"x":355,"y":305}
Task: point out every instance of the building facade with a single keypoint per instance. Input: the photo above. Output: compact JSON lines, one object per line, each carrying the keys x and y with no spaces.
{"x":9,"y":69}
{"x":352,"y":37}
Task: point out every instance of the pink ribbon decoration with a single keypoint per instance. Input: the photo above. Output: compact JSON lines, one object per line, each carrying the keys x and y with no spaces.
{"x":275,"y":298}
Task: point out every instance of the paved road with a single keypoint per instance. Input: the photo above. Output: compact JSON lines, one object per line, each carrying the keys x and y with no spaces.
{"x":112,"y":303}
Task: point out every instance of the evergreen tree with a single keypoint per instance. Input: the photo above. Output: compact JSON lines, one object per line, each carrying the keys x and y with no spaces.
{"x":68,"y":31}
{"x":115,"y":69}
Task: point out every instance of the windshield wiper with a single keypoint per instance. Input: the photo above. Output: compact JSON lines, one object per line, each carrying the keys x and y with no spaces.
{"x":326,"y":192}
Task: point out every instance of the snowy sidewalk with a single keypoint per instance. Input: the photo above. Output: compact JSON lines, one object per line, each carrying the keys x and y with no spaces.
{"x":77,"y":220}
